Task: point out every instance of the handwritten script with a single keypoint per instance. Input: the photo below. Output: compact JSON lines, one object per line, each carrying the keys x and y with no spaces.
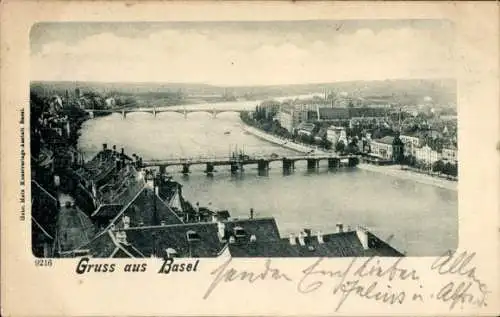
{"x":369,"y":279}
{"x":464,"y":287}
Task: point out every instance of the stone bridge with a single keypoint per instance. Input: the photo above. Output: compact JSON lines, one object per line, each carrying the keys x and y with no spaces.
{"x":155,"y":110}
{"x":237,"y":162}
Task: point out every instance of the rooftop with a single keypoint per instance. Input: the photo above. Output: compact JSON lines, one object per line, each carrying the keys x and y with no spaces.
{"x":385,"y":140}
{"x":203,"y":240}
{"x":344,"y":244}
{"x":264,"y":229}
{"x":146,"y":209}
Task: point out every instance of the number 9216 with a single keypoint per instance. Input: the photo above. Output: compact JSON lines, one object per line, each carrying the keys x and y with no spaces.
{"x":43,"y":262}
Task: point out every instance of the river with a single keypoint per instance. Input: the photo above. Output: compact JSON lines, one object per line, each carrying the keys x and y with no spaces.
{"x":422,"y":219}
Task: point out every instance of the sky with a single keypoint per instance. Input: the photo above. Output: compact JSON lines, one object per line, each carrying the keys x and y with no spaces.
{"x":243,"y":53}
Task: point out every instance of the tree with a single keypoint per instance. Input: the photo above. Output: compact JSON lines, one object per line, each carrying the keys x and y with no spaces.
{"x":352,"y":147}
{"x":438,"y":166}
{"x":398,"y":149}
{"x":340,"y":147}
{"x":410,"y":160}
{"x":450,"y":169}
{"x":327,"y":144}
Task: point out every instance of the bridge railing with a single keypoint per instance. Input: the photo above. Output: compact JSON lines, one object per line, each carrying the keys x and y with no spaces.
{"x":209,"y":159}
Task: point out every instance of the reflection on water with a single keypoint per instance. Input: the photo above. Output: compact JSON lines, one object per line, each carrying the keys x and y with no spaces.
{"x":421,"y":218}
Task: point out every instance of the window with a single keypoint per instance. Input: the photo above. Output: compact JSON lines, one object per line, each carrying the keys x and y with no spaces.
{"x":192,"y":236}
{"x":239,"y":232}
{"x":171,"y":253}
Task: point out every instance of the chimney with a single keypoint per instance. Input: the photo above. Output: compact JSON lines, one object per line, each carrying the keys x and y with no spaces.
{"x":122,"y":151}
{"x":57,"y":181}
{"x":121,"y":237}
{"x":307,"y":232}
{"x":126,"y":222}
{"x":251,"y":213}
{"x":340,"y":227}
{"x":221,"y":230}
{"x":301,"y":238}
{"x":320,"y":237}
{"x":104,"y":146}
{"x":362,"y":236}
{"x":292,"y":239}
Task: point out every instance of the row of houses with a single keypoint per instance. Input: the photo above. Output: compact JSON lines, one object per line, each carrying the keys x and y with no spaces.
{"x":410,"y":146}
{"x":389,"y":147}
{"x":290,"y":116}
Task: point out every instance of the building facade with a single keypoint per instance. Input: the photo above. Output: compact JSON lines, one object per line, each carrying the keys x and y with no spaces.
{"x":412,"y":143}
{"x":381,"y":149}
{"x":387,"y":148}
{"x":286,"y":118}
{"x":333,"y":134}
{"x":450,"y":155}
{"x":427,"y":155}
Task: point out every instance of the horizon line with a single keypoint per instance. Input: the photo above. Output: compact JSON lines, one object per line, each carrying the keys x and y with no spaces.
{"x":246,"y":85}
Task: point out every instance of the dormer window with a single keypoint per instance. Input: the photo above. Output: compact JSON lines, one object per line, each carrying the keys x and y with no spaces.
{"x":171,"y":253}
{"x":192,"y":236}
{"x":239,"y":232}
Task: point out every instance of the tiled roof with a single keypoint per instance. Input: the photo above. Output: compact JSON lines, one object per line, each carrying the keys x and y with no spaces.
{"x":142,"y":210}
{"x":379,"y":247}
{"x":37,"y":189}
{"x":345,"y":244}
{"x":122,"y":188}
{"x":144,"y":241}
{"x":262,"y":249}
{"x":101,"y":246}
{"x":264,"y":229}
{"x":156,"y":239}
{"x":100,"y":165}
{"x":334,"y":245}
{"x":385,"y":140}
{"x":108,"y":211}
{"x":167,"y":189}
{"x":39,"y":232}
{"x":127,"y":251}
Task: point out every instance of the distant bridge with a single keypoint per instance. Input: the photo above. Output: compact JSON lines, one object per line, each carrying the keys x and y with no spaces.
{"x":155,"y":110}
{"x":237,"y":162}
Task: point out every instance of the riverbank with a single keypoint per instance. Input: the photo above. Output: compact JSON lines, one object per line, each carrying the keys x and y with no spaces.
{"x":288,"y":144}
{"x":396,"y":171}
{"x":390,"y":170}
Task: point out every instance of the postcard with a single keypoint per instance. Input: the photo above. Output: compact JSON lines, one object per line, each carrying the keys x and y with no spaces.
{"x":253,"y":159}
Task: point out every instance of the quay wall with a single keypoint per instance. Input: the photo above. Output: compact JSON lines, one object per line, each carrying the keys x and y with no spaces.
{"x":301,"y":148}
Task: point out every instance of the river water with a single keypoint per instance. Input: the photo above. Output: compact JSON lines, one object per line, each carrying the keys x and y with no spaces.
{"x":422,"y":219}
